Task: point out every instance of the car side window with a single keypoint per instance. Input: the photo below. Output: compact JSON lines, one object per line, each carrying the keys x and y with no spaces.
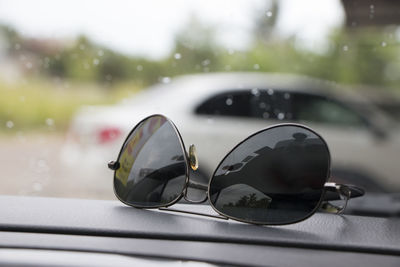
{"x":271,"y":104}
{"x":227,"y":104}
{"x":313,"y":108}
{"x":255,"y":103}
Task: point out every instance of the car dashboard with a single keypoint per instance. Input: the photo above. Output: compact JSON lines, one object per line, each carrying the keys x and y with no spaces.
{"x":77,"y":232}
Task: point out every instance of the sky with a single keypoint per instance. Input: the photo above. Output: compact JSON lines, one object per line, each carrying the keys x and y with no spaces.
{"x":148,"y":28}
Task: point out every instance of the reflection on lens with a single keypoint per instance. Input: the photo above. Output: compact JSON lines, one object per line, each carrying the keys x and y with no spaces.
{"x":274,"y":177}
{"x":152,"y":169}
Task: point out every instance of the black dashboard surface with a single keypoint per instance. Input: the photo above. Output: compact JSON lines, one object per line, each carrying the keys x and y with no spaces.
{"x":111,"y":227}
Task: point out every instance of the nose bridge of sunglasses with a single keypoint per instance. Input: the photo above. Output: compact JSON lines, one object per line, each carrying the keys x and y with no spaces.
{"x":191,"y":184}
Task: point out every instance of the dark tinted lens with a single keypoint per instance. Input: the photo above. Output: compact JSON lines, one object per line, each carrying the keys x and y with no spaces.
{"x":274,"y":177}
{"x":152,"y":169}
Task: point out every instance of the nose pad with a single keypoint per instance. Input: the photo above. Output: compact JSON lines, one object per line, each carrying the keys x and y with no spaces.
{"x":193,"y":161}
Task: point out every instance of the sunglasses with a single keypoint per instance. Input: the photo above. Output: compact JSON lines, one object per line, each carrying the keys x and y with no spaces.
{"x":275,"y":176}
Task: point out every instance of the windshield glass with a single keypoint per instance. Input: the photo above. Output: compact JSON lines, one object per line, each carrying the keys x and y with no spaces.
{"x":75,"y":78}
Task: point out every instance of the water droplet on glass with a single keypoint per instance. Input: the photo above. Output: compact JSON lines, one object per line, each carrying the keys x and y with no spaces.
{"x":371,"y":7}
{"x":37,"y":186}
{"x":109,"y":77}
{"x":96,"y":61}
{"x":22,"y":98}
{"x":17,"y":46}
{"x":28,"y":65}
{"x":255,"y":92}
{"x":210,"y":121}
{"x":383,"y":44}
{"x":100,"y":53}
{"x":281,"y":116}
{"x":86,"y":66}
{"x":270,"y":92}
{"x":256,"y":66}
{"x":82,"y":47}
{"x":41,"y":163}
{"x":177,"y":56}
{"x":268,"y":14}
{"x":286,"y":96}
{"x":345,"y":48}
{"x":265,"y":115}
{"x":139,"y":67}
{"x":49,"y":122}
{"x":206,"y":62}
{"x":229,"y":101}
{"x":10,"y":124}
{"x":228,"y":67}
{"x":262,"y":105}
{"x":166,"y":80}
{"x":231,"y":51}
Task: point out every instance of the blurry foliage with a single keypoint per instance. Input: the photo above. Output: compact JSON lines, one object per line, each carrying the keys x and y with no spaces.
{"x":49,"y":105}
{"x":356,"y":56}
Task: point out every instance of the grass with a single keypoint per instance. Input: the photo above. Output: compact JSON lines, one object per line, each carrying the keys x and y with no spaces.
{"x":37,"y":105}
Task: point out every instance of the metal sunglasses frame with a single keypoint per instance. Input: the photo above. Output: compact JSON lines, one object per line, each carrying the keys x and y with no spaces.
{"x":343,"y":191}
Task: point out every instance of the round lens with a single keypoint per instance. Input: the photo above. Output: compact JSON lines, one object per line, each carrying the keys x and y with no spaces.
{"x":275,"y":176}
{"x":153,"y":166}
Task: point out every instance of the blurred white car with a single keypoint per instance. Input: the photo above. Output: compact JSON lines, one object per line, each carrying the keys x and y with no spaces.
{"x":216,"y":111}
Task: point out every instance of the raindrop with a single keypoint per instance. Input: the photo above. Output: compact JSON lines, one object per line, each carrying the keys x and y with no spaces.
{"x":255,"y":92}
{"x":42,"y":163}
{"x":270,"y":92}
{"x":268,"y":13}
{"x":286,"y":96}
{"x":229,"y":102}
{"x":109,"y":77}
{"x":177,"y":56}
{"x":49,"y":122}
{"x":265,"y":115}
{"x":281,"y":116}
{"x":206,"y":62}
{"x":28,"y":65}
{"x":166,"y":80}
{"x":17,"y":46}
{"x":86,"y":66}
{"x":82,"y":47}
{"x":139,"y":67}
{"x":37,"y":186}
{"x":206,"y":69}
{"x":22,"y":57}
{"x":345,"y":48}
{"x":228,"y":67}
{"x":256,"y":66}
{"x":22,"y":98}
{"x":231,"y":51}
{"x":100,"y":53}
{"x":384,"y":44}
{"x":262,"y":105}
{"x":210,"y":120}
{"x":96,"y":61}
{"x":10,"y":124}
